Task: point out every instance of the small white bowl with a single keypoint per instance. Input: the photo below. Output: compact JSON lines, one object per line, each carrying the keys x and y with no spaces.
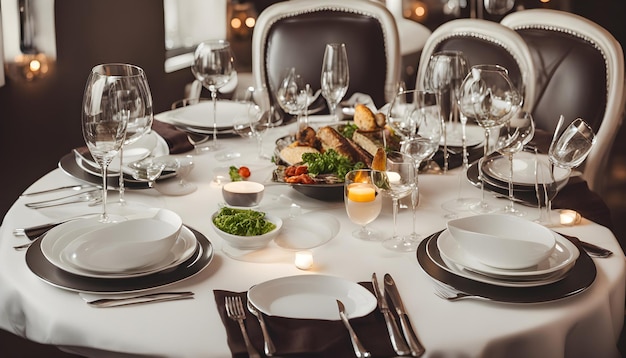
{"x":250,"y":242}
{"x":126,"y":245}
{"x":503,"y":241}
{"x":243,"y":193}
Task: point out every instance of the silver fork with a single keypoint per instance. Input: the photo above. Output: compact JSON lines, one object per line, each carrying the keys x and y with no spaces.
{"x":452,"y":294}
{"x":234,"y":310}
{"x":92,"y":196}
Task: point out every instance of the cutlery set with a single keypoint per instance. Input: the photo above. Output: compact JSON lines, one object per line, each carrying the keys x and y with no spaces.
{"x":92,"y":197}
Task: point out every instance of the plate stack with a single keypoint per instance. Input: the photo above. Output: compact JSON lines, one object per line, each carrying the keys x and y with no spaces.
{"x":140,"y":253}
{"x":506,"y":258}
{"x":530,"y":172}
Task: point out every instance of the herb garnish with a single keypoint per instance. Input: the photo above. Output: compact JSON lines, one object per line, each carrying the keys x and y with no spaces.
{"x":242,"y":222}
{"x":329,"y":162}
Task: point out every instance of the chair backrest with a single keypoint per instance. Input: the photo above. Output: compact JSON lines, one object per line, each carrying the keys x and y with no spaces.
{"x":295,"y":33}
{"x":580,"y":73}
{"x":484,"y":42}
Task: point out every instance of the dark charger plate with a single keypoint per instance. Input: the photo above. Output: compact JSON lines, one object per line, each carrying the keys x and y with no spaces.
{"x":579,"y":278}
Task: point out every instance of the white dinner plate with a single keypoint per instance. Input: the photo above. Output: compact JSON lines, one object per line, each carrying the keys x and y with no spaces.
{"x":474,"y":135}
{"x":311,"y":297}
{"x":201,"y":115}
{"x":307,"y":231}
{"x":498,"y":167}
{"x":55,"y":242}
{"x":151,"y":144}
{"x":562,"y":259}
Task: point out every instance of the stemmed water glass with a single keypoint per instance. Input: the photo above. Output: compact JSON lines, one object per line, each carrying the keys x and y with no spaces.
{"x":427,"y":115}
{"x":568,"y":150}
{"x":399,"y":114}
{"x":292,"y":94}
{"x":136,"y":100}
{"x":362,"y":200}
{"x":104,"y":120}
{"x":499,"y":7}
{"x":445,"y":73}
{"x":400,"y":182}
{"x":214,"y":67}
{"x":488,"y":96}
{"x":335,"y":77}
{"x":512,"y":137}
{"x":260,"y":117}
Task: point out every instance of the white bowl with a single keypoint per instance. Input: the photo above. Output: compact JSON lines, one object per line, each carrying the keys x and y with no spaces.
{"x":250,"y":242}
{"x":503,"y":241}
{"x":126,"y":245}
{"x":243,"y":193}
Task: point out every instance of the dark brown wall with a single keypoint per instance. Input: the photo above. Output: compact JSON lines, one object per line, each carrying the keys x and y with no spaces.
{"x":40,"y":121}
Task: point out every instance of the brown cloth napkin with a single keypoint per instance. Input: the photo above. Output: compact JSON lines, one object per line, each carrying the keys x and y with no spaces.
{"x":307,"y":337}
{"x":176,"y":139}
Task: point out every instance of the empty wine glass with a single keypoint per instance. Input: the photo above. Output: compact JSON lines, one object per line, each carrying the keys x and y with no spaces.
{"x":399,"y":114}
{"x":427,"y":115}
{"x":292,"y":94}
{"x":400,"y":181}
{"x":568,"y":150}
{"x":335,"y":76}
{"x":362,"y":200}
{"x":182,"y":166}
{"x":445,"y":73}
{"x":136,"y":99}
{"x":261,"y":116}
{"x":214,"y":67}
{"x":488,"y":96}
{"x":512,"y":137}
{"x":104,"y":120}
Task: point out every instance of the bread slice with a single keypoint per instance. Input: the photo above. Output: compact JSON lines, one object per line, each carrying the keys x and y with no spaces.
{"x":364,"y":118}
{"x":331,"y":139}
{"x":372,"y":140}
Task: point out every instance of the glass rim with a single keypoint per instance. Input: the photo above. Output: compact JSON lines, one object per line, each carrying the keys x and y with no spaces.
{"x":118,"y":69}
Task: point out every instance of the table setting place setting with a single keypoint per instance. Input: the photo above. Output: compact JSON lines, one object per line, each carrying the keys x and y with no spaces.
{"x":277,"y":209}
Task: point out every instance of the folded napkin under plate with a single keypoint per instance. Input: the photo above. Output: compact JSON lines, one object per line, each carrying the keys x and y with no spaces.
{"x":307,"y":337}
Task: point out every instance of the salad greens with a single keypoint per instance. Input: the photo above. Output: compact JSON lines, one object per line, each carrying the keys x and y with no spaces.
{"x":242,"y":222}
{"x":233,"y":172}
{"x":329,"y":162}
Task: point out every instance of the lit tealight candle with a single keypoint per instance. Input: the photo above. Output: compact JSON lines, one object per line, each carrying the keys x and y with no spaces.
{"x":361,"y":192}
{"x":569,"y":217}
{"x":304,"y":260}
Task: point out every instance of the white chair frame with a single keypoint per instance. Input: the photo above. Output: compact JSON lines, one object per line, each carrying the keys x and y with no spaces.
{"x":287,"y":9}
{"x":488,"y":31}
{"x":603,"y":41}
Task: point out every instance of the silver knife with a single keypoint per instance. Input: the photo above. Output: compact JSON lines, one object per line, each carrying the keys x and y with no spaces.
{"x":398,"y":343}
{"x":359,"y":350}
{"x":61,"y":188}
{"x":417,"y":349}
{"x":148,"y":298}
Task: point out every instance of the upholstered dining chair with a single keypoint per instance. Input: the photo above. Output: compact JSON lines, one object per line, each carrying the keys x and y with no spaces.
{"x":579,"y":73}
{"x":294,"y":34}
{"x":484,"y":42}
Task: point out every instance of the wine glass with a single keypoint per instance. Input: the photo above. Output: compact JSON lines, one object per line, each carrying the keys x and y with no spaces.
{"x":148,"y":169}
{"x":292,"y":94}
{"x":399,"y":114}
{"x":335,"y":76}
{"x":445,"y":73}
{"x":427,"y":115}
{"x":260,"y":116}
{"x":182,"y":166}
{"x":512,"y":137}
{"x":104,"y":120}
{"x":399,"y":183}
{"x":568,"y":150}
{"x":135,"y":98}
{"x":362,"y":200}
{"x":214,"y":66}
{"x":488,"y":96}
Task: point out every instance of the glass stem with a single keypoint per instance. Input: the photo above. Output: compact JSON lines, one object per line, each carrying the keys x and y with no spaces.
{"x":121,"y":181}
{"x":415,"y":198}
{"x":214,"y":98}
{"x":511,"y":197}
{"x":480,"y":168}
{"x":395,"y":216}
{"x":104,"y":217}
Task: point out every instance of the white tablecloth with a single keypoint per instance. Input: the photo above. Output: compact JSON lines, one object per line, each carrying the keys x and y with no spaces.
{"x":585,"y":325}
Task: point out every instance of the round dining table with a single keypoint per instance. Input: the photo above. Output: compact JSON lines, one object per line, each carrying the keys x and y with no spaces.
{"x":581,"y":324}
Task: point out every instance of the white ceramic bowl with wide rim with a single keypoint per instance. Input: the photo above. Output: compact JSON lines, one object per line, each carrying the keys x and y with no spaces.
{"x":126,"y":245}
{"x":250,"y":242}
{"x":503,"y":241}
{"x":243,"y":193}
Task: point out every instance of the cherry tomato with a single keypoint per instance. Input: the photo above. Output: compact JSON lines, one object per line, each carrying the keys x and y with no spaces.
{"x":244,"y":172}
